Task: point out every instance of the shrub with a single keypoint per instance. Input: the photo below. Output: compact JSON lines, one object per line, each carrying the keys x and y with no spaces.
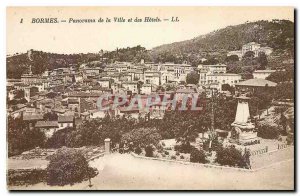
{"x":230,"y":156}
{"x":163,"y":155}
{"x":60,"y":138}
{"x":138,"y":150}
{"x":68,"y":166}
{"x":181,"y":157}
{"x":173,"y":157}
{"x":268,"y":132}
{"x":215,"y":144}
{"x":163,"y":144}
{"x":177,"y":153}
{"x":198,"y":156}
{"x":145,"y":136}
{"x":149,"y":151}
{"x":184,"y":148}
{"x":167,"y":153}
{"x":15,"y":177}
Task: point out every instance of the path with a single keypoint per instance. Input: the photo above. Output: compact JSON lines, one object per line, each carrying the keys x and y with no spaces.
{"x":122,"y":171}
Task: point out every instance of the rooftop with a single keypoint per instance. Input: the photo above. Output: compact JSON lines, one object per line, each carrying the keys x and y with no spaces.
{"x":257,"y":82}
{"x":264,"y":71}
{"x":32,"y":117}
{"x":65,"y":119}
{"x":42,"y":124}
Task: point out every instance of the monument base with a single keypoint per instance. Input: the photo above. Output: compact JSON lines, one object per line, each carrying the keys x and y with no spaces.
{"x":248,"y":138}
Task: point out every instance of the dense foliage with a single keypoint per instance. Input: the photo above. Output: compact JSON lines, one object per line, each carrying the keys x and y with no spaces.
{"x":231,"y":156}
{"x":68,"y":166}
{"x":277,"y":34}
{"x":142,"y":136}
{"x":19,"y":63}
{"x":20,"y":138}
{"x":192,"y":78}
{"x":198,"y":156}
{"x":268,"y":132}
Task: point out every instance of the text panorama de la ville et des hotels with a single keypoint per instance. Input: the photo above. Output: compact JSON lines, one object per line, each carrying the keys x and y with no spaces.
{"x":146,"y":19}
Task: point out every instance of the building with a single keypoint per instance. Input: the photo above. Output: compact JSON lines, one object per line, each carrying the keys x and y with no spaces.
{"x":252,"y":46}
{"x":253,"y":85}
{"x":223,"y":78}
{"x":213,"y":69}
{"x":65,"y":121}
{"x":131,"y":86}
{"x":152,"y":77}
{"x":262,"y":74}
{"x":146,"y":89}
{"x":104,"y":82}
{"x":92,"y":71}
{"x":236,"y":52}
{"x":48,"y":127}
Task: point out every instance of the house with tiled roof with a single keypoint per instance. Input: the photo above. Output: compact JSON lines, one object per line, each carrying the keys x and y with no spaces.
{"x":48,"y":127}
{"x":65,"y":121}
{"x":253,"y":85}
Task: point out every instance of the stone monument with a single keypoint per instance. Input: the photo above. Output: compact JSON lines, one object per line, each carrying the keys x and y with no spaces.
{"x":244,"y":130}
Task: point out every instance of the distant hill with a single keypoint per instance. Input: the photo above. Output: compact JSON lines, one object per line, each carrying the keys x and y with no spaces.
{"x":18,"y":64}
{"x":278,"y":34}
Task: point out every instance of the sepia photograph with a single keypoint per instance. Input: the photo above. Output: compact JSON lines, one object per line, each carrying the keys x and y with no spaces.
{"x":150,"y":98}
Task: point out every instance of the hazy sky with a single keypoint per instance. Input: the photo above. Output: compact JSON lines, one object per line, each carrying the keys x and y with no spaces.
{"x":84,"y":37}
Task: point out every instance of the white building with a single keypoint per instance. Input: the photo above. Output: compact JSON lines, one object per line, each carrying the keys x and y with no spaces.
{"x":252,"y":46}
{"x":262,"y":74}
{"x":152,"y":77}
{"x":226,"y":78}
{"x":104,"y":82}
{"x":131,"y":86}
{"x":146,"y":89}
{"x":65,"y":121}
{"x":218,"y":68}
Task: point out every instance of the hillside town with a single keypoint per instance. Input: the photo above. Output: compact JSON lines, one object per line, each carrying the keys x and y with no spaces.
{"x":214,"y":112}
{"x":60,"y":108}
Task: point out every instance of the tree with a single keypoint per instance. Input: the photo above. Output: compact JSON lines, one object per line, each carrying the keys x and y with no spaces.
{"x":139,"y":86}
{"x":284,"y":91}
{"x":50,"y":116}
{"x":142,"y":136}
{"x":211,"y":61}
{"x":19,"y":94}
{"x":268,"y":131}
{"x":249,"y":54}
{"x":149,"y":151}
{"x":68,"y":166}
{"x":232,"y":58}
{"x":262,"y":60}
{"x":61,"y":138}
{"x":192,"y":78}
{"x":20,"y":138}
{"x":282,"y":76}
{"x":198,"y":156}
{"x":227,"y":87}
{"x":230,"y":156}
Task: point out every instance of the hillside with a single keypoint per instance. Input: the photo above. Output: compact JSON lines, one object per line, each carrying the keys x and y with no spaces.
{"x":18,"y":64}
{"x":278,"y":34}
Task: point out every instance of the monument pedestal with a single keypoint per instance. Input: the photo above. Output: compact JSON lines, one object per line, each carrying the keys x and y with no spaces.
{"x":244,"y":130}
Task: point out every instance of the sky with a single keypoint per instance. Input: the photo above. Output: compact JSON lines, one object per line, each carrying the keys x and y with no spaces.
{"x":68,"y":38}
